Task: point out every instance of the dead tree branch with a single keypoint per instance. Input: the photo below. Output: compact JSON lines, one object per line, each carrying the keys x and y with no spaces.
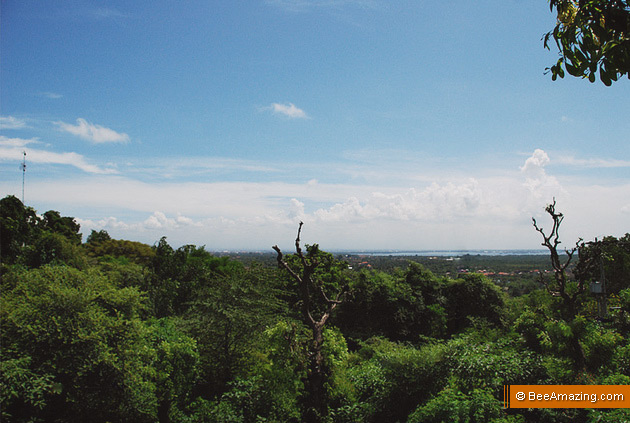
{"x":316,"y":402}
{"x":551,"y":242}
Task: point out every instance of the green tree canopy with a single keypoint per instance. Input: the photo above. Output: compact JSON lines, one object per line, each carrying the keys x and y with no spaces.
{"x":75,"y":347}
{"x":52,"y":221}
{"x":592,"y":36}
{"x":608,"y":258}
{"x":18,"y":227}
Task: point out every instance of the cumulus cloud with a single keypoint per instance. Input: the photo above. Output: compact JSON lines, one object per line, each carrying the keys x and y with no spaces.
{"x":96,"y":134}
{"x":156,"y":221}
{"x":535,"y":164}
{"x":540,"y":185}
{"x":436,"y":202}
{"x":296,"y":210}
{"x":480,"y":212}
{"x":159,"y":220}
{"x":11,"y":122}
{"x":288,"y":110}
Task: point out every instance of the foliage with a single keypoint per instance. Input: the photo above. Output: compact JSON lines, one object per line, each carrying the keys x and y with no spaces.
{"x":27,"y":239}
{"x":450,"y":405}
{"x":608,"y":258}
{"x":18,"y":227}
{"x":135,"y":252}
{"x":116,"y":330}
{"x":97,"y":237}
{"x":80,"y":342}
{"x":477,"y":363}
{"x":393,"y":378}
{"x":228,"y":317}
{"x":592,"y":36}
{"x":65,"y":226}
{"x":415,"y":303}
{"x":176,"y":274}
{"x":400,"y":307}
{"x":473,"y":295}
{"x":176,"y":365}
{"x":317,"y":277}
{"x":53,"y":248}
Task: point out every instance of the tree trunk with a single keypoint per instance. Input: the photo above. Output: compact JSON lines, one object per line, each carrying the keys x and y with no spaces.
{"x":315,"y":403}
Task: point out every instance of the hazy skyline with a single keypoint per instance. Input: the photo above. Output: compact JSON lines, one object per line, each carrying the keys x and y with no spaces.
{"x":413,"y":125}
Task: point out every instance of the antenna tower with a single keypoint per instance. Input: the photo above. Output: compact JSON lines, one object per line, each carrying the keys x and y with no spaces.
{"x":23,"y":174}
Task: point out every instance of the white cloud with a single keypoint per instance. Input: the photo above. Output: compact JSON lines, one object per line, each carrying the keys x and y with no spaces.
{"x":535,"y":164}
{"x":436,"y":202}
{"x":289,"y":110}
{"x":11,"y":122}
{"x":14,"y":148}
{"x":487,"y":211}
{"x":17,"y":142}
{"x":71,"y":158}
{"x":540,"y":185}
{"x":159,"y":220}
{"x":93,"y":133}
{"x":593,"y":163}
{"x":49,"y":95}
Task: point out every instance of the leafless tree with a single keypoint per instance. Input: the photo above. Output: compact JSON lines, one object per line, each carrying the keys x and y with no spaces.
{"x":310,"y":289}
{"x":561,"y":286}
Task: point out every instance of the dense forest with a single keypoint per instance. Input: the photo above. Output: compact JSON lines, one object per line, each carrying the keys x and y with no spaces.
{"x":109,"y":330}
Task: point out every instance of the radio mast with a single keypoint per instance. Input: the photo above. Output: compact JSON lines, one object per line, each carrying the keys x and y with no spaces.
{"x":23,"y":174}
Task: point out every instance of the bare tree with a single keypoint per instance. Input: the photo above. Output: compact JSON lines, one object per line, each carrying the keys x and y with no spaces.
{"x":311,"y":290}
{"x":561,"y":286}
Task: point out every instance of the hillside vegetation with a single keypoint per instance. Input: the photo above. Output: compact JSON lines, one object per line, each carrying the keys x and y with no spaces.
{"x":112,"y":330}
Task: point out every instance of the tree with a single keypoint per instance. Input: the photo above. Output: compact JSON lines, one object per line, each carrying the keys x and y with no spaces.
{"x":176,"y":361}
{"x":18,"y":227}
{"x":400,"y":307}
{"x":473,"y":295}
{"x":105,"y":249}
{"x":562,"y":287}
{"x":608,"y":258}
{"x":98,"y":237}
{"x":317,"y":308}
{"x":176,"y":274}
{"x":54,"y":248}
{"x":64,"y":225}
{"x":228,"y":317}
{"x":592,"y":36}
{"x":75,"y":348}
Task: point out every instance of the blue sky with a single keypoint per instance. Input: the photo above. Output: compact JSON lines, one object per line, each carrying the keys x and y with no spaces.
{"x":400,"y":125}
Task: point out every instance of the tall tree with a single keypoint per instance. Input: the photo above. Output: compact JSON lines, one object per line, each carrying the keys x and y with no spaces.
{"x":592,"y":36}
{"x":316,"y":306}
{"x":562,"y":286}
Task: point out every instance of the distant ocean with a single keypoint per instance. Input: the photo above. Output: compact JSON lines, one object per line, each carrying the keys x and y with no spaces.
{"x":448,"y":253}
